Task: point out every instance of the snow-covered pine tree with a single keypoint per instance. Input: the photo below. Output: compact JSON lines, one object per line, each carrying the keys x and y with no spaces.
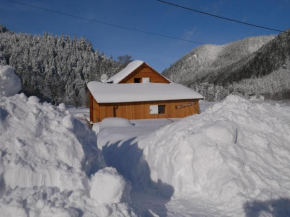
{"x":56,"y":68}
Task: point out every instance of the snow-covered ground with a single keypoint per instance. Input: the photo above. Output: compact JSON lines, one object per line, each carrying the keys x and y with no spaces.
{"x":80,"y":113}
{"x":231,"y":160}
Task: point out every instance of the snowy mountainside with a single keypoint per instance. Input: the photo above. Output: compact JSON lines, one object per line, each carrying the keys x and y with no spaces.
{"x":209,"y":58}
{"x":271,"y":57}
{"x":264,"y":73}
{"x":260,"y":74}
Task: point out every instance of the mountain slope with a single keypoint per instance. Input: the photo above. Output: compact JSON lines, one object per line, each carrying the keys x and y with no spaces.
{"x":209,"y":58}
{"x":254,"y":67}
{"x":269,"y":58}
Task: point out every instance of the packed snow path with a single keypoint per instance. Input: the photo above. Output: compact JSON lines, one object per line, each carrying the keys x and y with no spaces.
{"x":231,"y":160}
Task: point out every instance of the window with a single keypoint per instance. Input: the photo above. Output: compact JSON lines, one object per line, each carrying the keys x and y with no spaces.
{"x":157,"y":109}
{"x":145,"y":80}
{"x":161,"y":109}
{"x":137,"y":80}
{"x":153,"y":109}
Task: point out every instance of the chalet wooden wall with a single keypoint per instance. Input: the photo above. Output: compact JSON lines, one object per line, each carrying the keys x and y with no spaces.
{"x":140,"y":110}
{"x":94,"y":110}
{"x":144,"y":71}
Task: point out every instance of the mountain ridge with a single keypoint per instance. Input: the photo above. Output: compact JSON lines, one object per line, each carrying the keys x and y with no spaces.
{"x":208,"y":58}
{"x":245,"y":68}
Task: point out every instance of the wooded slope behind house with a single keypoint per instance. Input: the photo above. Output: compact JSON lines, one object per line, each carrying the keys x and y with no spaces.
{"x":56,"y":68}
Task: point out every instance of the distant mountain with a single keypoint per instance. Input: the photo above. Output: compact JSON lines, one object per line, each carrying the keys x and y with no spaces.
{"x":271,"y":57}
{"x":56,"y":68}
{"x":250,"y":67}
{"x":209,"y":58}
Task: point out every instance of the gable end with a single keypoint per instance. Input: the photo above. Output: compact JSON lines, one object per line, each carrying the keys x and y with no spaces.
{"x":151,"y":73}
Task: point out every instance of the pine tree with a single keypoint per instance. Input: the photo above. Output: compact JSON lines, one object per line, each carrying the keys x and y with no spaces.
{"x":56,"y":69}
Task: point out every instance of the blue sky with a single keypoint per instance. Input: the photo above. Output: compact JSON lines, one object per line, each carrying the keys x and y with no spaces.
{"x":148,"y":15}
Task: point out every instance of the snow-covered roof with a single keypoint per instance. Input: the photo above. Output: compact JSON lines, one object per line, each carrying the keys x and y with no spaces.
{"x":131,"y":67}
{"x":126,"y":71}
{"x":113,"y":93}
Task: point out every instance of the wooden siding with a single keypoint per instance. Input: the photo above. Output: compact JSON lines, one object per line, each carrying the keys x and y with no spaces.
{"x":94,"y":109}
{"x":91,"y":101}
{"x":140,"y":110}
{"x":145,"y":71}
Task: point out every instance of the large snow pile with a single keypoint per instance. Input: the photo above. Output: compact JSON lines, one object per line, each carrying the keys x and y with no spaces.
{"x":234,"y":156}
{"x":233,"y":153}
{"x":9,"y":82}
{"x":47,"y":159}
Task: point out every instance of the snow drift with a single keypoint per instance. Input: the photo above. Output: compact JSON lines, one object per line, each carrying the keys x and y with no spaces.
{"x":47,"y":159}
{"x":9,"y":82}
{"x":234,"y":152}
{"x":42,"y":146}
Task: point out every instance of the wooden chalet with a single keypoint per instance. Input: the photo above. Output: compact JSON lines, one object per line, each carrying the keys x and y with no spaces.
{"x":140,"y":92}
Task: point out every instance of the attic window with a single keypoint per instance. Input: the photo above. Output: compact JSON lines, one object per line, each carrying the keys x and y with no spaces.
{"x":137,"y":80}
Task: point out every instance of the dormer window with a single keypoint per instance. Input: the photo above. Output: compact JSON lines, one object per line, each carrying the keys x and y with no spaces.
{"x":137,"y":80}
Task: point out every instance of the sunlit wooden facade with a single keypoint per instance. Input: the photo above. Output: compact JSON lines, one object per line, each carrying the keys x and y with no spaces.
{"x":147,"y":109}
{"x":141,"y":110}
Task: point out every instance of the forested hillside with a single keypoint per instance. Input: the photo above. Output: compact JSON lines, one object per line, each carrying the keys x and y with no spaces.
{"x":271,"y":57}
{"x":56,"y":68}
{"x":209,"y":58}
{"x":254,"y":67}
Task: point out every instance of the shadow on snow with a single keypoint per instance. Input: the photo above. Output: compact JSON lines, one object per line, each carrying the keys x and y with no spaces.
{"x":129,"y":161}
{"x":275,"y":208}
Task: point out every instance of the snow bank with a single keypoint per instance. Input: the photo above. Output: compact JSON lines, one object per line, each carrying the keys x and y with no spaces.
{"x":234,"y":152}
{"x":42,"y":146}
{"x":51,"y":202}
{"x":9,"y":82}
{"x":47,"y":157}
{"x":111,"y":122}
